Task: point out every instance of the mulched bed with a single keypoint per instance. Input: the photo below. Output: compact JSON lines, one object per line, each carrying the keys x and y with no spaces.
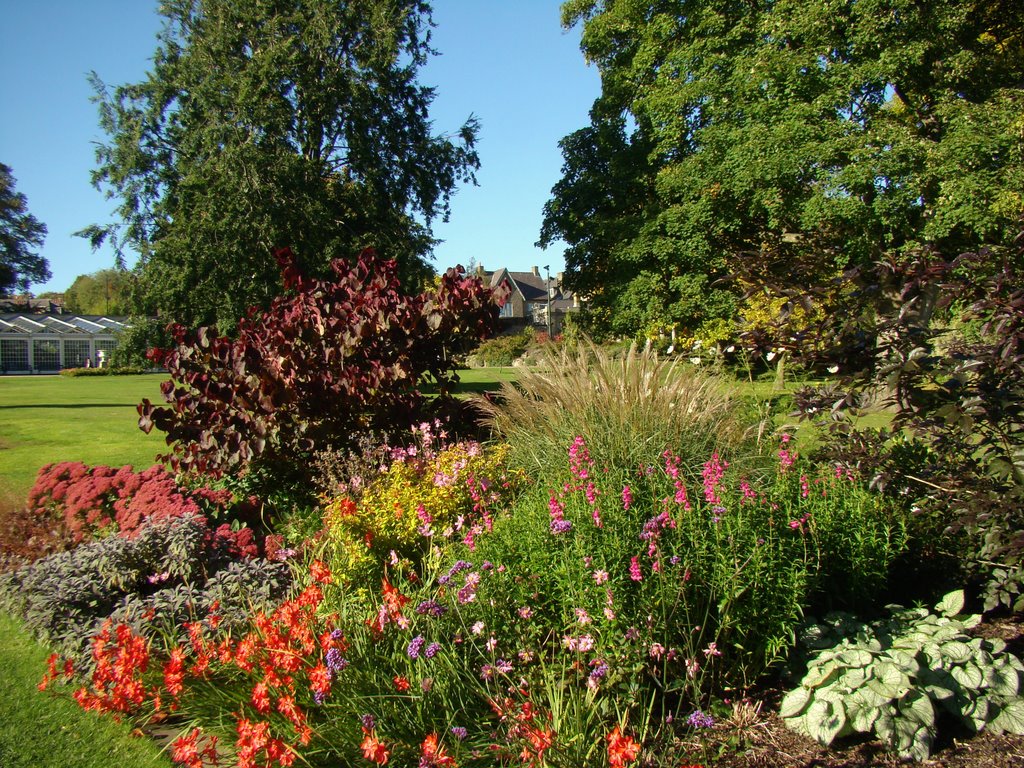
{"x":769,"y":744}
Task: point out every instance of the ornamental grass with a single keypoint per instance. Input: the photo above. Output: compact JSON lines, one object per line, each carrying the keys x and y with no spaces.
{"x":630,"y":407}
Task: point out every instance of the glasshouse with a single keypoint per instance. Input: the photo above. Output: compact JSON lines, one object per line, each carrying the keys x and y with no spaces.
{"x":48,"y":343}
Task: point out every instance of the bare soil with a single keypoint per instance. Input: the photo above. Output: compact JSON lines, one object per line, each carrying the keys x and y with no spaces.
{"x":767,"y":743}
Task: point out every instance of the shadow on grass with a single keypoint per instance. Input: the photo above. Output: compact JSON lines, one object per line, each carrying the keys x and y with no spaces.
{"x":70,"y":405}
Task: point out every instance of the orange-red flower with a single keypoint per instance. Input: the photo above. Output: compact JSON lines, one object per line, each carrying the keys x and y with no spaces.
{"x":622,"y":750}
{"x":373,"y":749}
{"x":186,"y":750}
{"x":435,"y":755}
{"x":320,"y":572}
{"x":401,"y":684}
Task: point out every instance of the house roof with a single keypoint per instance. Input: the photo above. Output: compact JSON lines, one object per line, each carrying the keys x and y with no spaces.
{"x":530,"y":286}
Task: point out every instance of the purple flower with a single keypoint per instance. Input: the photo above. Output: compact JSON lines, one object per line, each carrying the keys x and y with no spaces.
{"x":699,"y":719}
{"x":431,"y":608}
{"x":413,"y":651}
{"x":459,"y":732}
{"x":561,"y":526}
{"x":335,"y":661}
{"x":368,"y":722}
{"x":431,"y":650}
{"x":460,"y":565}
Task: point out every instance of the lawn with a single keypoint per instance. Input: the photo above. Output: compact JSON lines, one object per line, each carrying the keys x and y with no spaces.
{"x":41,"y":730}
{"x":45,"y":419}
{"x":92,"y":419}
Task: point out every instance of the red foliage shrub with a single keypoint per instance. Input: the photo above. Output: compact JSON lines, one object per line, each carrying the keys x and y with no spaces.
{"x":325,"y":363}
{"x":91,"y":501}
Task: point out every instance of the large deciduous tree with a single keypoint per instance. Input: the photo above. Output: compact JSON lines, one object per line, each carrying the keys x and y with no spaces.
{"x":21,"y":234}
{"x":98,"y":293}
{"x":784,"y":141}
{"x":265,"y":125}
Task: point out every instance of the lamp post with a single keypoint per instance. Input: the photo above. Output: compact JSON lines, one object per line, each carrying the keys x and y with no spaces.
{"x":547,"y":288}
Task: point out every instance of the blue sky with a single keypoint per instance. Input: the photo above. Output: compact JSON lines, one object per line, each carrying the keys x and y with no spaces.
{"x":509,"y":63}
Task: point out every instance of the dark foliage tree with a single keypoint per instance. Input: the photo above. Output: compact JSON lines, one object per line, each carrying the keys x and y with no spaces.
{"x":829,"y":133}
{"x":327,"y":363}
{"x":21,"y":234}
{"x":955,"y":449}
{"x":269,"y":125}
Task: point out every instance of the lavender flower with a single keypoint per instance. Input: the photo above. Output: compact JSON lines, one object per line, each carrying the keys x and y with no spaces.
{"x":431,"y":608}
{"x":459,"y":732}
{"x":335,"y":661}
{"x":699,"y":719}
{"x":431,"y":650}
{"x":413,"y":651}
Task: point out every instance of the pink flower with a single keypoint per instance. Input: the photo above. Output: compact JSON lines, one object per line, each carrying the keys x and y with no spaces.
{"x":600,"y":576}
{"x":627,"y":497}
{"x":634,"y":569}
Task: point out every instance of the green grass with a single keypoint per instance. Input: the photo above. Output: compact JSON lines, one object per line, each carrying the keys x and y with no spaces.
{"x":46,"y":730}
{"x":45,"y":419}
{"x":92,"y":419}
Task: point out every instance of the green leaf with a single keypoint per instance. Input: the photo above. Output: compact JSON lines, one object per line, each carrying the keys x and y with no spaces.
{"x":888,"y":680}
{"x":917,"y":706}
{"x":1010,"y":718}
{"x":1002,"y":679}
{"x":825,"y":719}
{"x":862,"y":711}
{"x":820,"y":676}
{"x":794,"y":703}
{"x":969,"y":676}
{"x":957,"y":652}
{"x":951,"y":604}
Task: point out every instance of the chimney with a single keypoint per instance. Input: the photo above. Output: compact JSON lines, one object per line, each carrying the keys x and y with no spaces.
{"x":536,"y":271}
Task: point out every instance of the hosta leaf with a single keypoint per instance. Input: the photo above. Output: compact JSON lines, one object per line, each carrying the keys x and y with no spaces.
{"x":951,"y":604}
{"x":1002,"y":679}
{"x":1010,"y":718}
{"x":938,"y":683}
{"x":917,"y":706}
{"x":795,"y":702}
{"x":914,"y":740}
{"x":855,"y":657}
{"x":819,"y":676}
{"x":969,"y":676}
{"x":825,"y":719}
{"x":862,"y":712}
{"x":888,"y":680}
{"x":957,"y":652}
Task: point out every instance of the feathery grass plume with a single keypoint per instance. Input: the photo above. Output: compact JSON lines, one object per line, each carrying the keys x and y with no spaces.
{"x":629,"y":407}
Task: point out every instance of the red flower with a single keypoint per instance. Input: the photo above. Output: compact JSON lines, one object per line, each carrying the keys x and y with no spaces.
{"x":185,"y":750}
{"x":320,"y":572}
{"x":401,"y":684}
{"x":373,"y":749}
{"x":434,"y":755}
{"x":622,"y":750}
{"x":393,"y":599}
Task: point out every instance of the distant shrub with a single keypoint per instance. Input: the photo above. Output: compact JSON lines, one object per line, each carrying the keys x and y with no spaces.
{"x":73,"y":373}
{"x":173,"y":570}
{"x":503,"y":350}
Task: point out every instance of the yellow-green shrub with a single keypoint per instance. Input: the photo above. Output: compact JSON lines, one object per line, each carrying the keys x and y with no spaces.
{"x":446,"y":494}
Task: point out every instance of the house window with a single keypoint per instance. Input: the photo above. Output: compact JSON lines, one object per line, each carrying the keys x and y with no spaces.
{"x":506,"y":309}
